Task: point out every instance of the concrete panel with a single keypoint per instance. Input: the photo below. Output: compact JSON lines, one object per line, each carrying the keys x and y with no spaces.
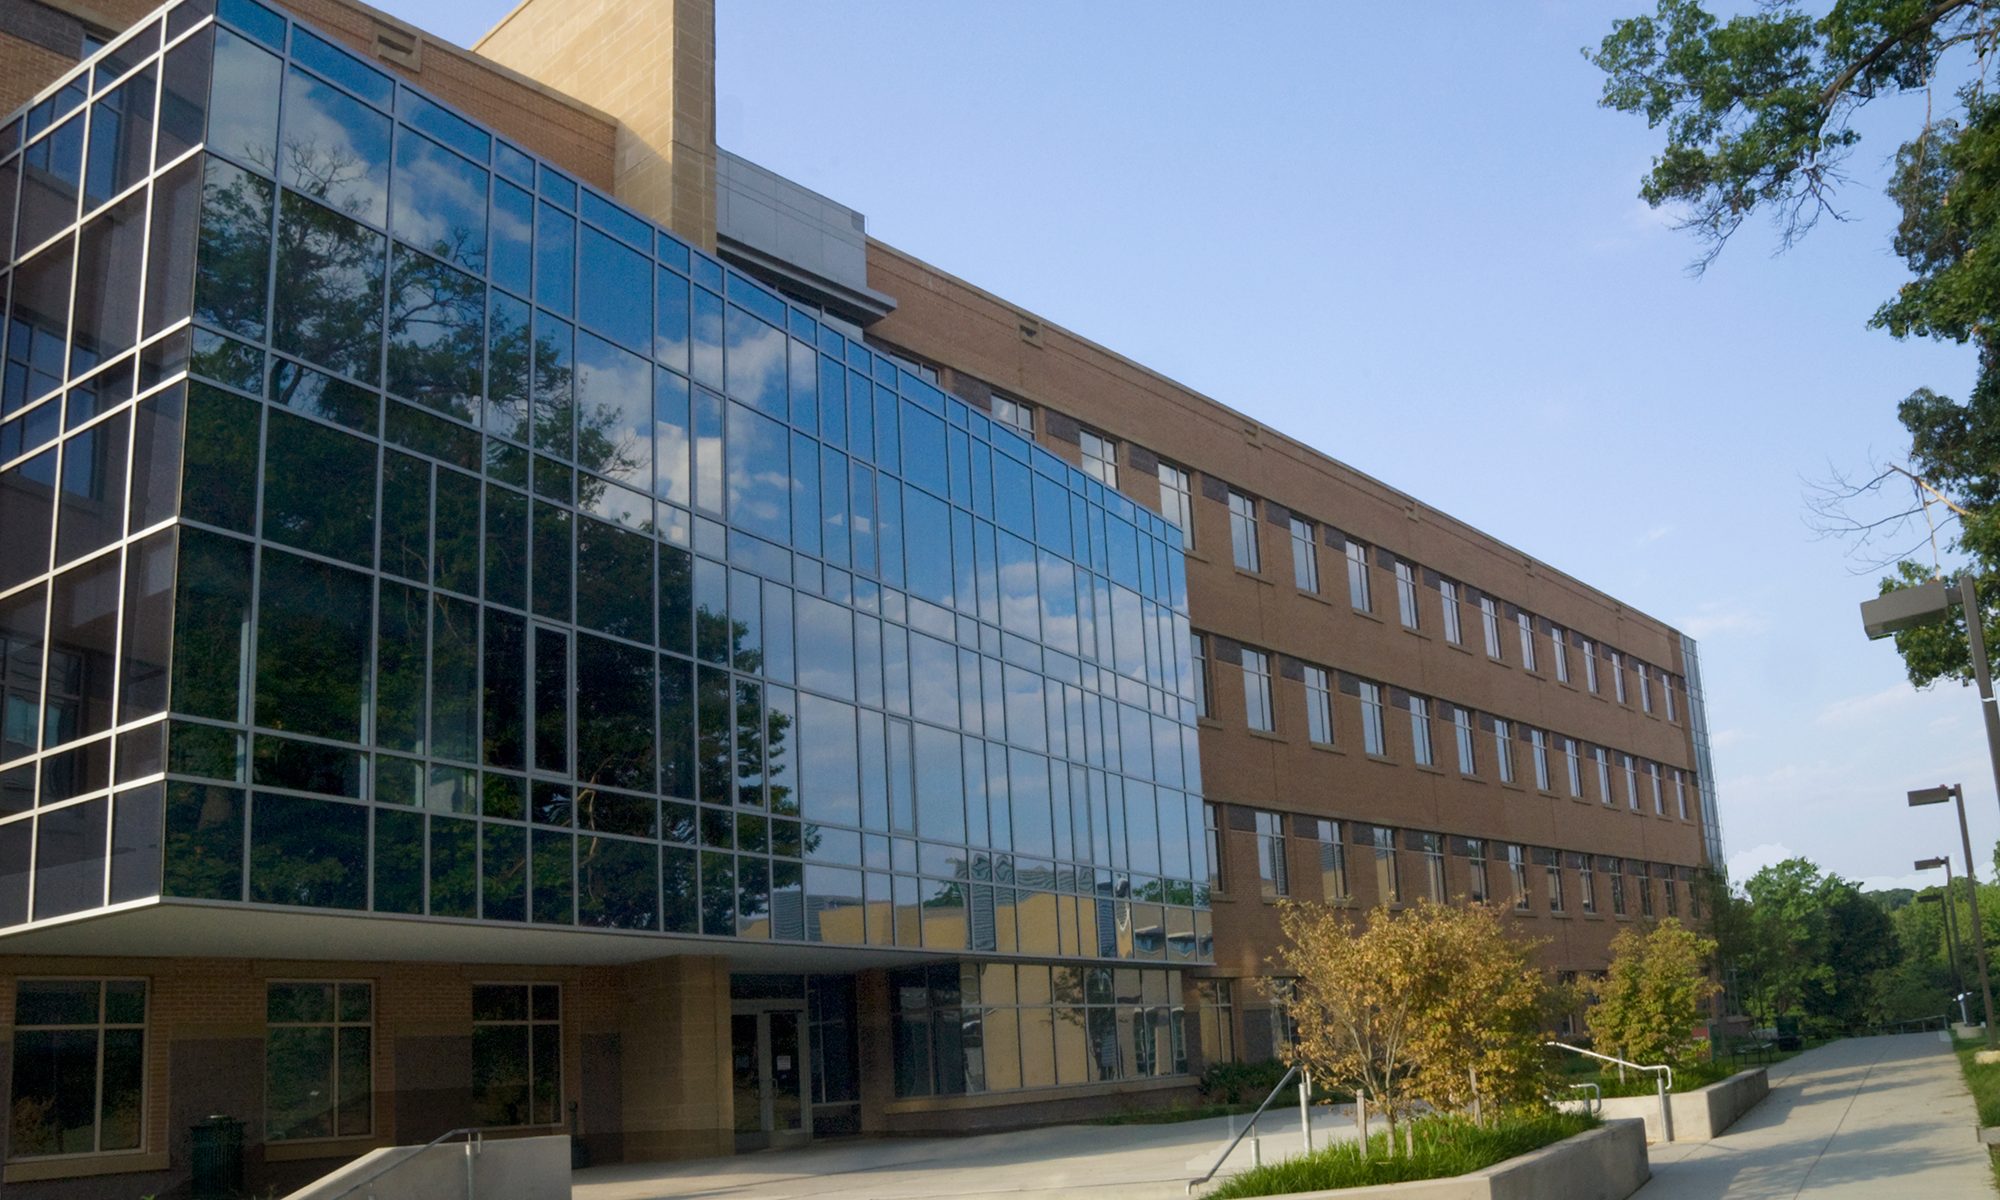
{"x":1603,"y":1164}
{"x":1698,"y":1115}
{"x":533,"y":1168}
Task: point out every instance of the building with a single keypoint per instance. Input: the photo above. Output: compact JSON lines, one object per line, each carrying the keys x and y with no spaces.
{"x":475,"y":656}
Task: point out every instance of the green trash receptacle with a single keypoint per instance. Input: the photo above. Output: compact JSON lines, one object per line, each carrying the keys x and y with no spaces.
{"x":217,"y":1158}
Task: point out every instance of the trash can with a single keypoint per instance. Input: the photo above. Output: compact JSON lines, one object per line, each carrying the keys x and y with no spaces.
{"x":217,"y":1158}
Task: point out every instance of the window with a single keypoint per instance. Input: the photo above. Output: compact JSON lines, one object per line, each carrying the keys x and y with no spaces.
{"x":1681,"y":792}
{"x":1539,"y":751}
{"x":1574,"y":761}
{"x":1517,"y":870}
{"x":1319,"y":706}
{"x":1332,"y":863}
{"x":1527,"y":626}
{"x":1555,"y":877}
{"x":1586,"y":886}
{"x":1667,"y":693}
{"x":1617,"y":872}
{"x":1489,"y":619}
{"x":79,"y":1066}
{"x":1659,"y":802}
{"x":1257,"y":689}
{"x":1645,"y":687}
{"x":1305,"y":557}
{"x":1645,"y":891}
{"x":1272,"y":875}
{"x":1631,"y":781}
{"x":1100,"y":457}
{"x":1431,"y":846}
{"x":319,"y":1050}
{"x":1017,"y":414}
{"x":1448,"y":594}
{"x":1388,"y":879}
{"x":1559,"y":648}
{"x":1477,"y":888}
{"x":1358,"y":593}
{"x":1461,"y":723}
{"x":1618,"y":675}
{"x":1589,"y":664}
{"x":516,"y":1054}
{"x":1243,"y":532}
{"x":1503,"y":750}
{"x":1406,"y":594}
{"x":1420,"y":731}
{"x":1211,"y":828}
{"x":1177,"y":500}
{"x":1371,"y":718}
{"x":1603,"y":760}
{"x":1218,"y":1024}
{"x":1671,"y":886}
{"x":1694,"y":898}
{"x":1198,"y":646}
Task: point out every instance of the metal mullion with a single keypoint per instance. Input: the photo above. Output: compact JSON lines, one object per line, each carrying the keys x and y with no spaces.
{"x":97,"y":1106}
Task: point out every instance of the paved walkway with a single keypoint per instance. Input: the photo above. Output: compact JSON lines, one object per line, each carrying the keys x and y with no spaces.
{"x":1866,"y":1117}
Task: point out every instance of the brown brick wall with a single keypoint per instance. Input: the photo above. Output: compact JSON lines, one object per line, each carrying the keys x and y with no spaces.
{"x":977,"y":340}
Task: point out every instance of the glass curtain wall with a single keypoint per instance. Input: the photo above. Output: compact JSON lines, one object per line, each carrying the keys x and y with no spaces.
{"x":405,"y":527}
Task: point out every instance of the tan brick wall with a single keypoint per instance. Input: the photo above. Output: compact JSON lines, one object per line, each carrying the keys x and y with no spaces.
{"x":652,"y":65}
{"x":677,"y":1104}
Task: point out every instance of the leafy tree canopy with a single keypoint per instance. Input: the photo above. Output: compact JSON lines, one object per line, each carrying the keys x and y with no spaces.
{"x":1757,"y":112}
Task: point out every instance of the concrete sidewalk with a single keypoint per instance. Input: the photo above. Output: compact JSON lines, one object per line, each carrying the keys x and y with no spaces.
{"x":1865,"y":1117}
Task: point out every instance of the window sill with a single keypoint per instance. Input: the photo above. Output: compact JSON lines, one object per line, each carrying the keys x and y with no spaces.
{"x":1207,"y":723}
{"x":1252,"y":575}
{"x":347,"y":1147}
{"x":1327,"y":748}
{"x":1561,"y":916}
{"x":1547,"y":794}
{"x":1366,"y":615}
{"x":1268,"y":735}
{"x":1315,"y":597}
{"x":1416,"y":632}
{"x":1461,"y":647}
{"x":1564,"y":683}
{"x":1511,"y":786}
{"x":1384,"y":759}
{"x":77,"y":1165}
{"x":1431,"y":769}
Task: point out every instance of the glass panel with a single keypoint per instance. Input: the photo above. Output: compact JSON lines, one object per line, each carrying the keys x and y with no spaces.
{"x":312,"y":647}
{"x":435,"y":334}
{"x":555,"y":258}
{"x":51,"y":175}
{"x":83,"y":632}
{"x":616,"y":296}
{"x":438,"y":202}
{"x":335,"y":149}
{"x":69,"y":859}
{"x":92,"y":511}
{"x":204,"y":835}
{"x":329,"y":290}
{"x":38,"y":328}
{"x":243,"y":103}
{"x":107,"y":302}
{"x":319,"y":490}
{"x":311,"y":853}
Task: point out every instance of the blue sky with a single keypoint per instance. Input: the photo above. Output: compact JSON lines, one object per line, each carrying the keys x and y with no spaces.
{"x":1415,"y":243}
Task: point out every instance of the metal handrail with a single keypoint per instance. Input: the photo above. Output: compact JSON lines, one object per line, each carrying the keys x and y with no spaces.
{"x":475,"y":1139}
{"x":1663,"y":1078}
{"x":1596,"y":1100}
{"x":1241,"y":1133}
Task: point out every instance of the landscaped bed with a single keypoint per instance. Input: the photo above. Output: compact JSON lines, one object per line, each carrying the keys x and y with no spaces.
{"x":1445,"y":1146}
{"x":1983,"y":1081}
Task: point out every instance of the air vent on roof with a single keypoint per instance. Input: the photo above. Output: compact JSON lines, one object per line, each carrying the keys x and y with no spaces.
{"x":400,"y":46}
{"x":1031,"y":330}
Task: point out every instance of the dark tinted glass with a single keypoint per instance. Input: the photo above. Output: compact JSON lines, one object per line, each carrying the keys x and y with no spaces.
{"x":614,"y":407}
{"x":311,"y":853}
{"x":204,"y":842}
{"x":438,"y":202}
{"x":617,"y":292}
{"x":335,"y":149}
{"x":136,"y":843}
{"x":211,"y":619}
{"x":69,"y":859}
{"x":329,"y":289}
{"x":37,"y":327}
{"x":233,"y":265}
{"x":312,"y":647}
{"x":436,"y":334}
{"x":92,"y":507}
{"x":83,"y":630}
{"x":555,"y":259}
{"x":121,"y":139}
{"x":243,"y":102}
{"x":145,"y":649}
{"x":170,"y":270}
{"x":319,"y":490}
{"x":51,"y":177}
{"x":343,"y":68}
{"x":184,"y":95}
{"x":27,"y":514}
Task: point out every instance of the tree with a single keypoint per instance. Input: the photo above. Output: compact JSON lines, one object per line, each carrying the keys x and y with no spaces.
{"x":1818,"y":946}
{"x":1758,"y":114}
{"x":1435,"y":1004}
{"x":1655,"y":992}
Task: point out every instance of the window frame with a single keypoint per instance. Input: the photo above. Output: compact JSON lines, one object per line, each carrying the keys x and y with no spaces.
{"x":1423,"y":750}
{"x":1645,"y":688}
{"x":1479,"y":884}
{"x":1388,"y":872}
{"x":1360,"y":590}
{"x":1256,"y":666}
{"x":1489,"y":624}
{"x":1215,"y":846}
{"x":1468,"y":742}
{"x":1305,"y":556}
{"x":1586,"y":887}
{"x":1517,"y":868}
{"x":1204,"y":703}
{"x":99,"y":1028}
{"x":1618,"y":675}
{"x":1589,"y":649}
{"x":1503,"y":749}
{"x":1274,"y":875}
{"x":1555,"y":882}
{"x":1374,"y":733}
{"x":1244,"y":549}
{"x":1334,"y":885}
{"x":1319,"y":705}
{"x":1406,"y":596}
{"x":529,"y":1023}
{"x":1177,"y":482}
{"x":1454,"y":628}
{"x":1022,"y":418}
{"x":1559,"y":649}
{"x":1099,"y":454}
{"x":1573,"y":760}
{"x":1527,"y":627}
{"x":1538,"y":743}
{"x":336,"y":1024}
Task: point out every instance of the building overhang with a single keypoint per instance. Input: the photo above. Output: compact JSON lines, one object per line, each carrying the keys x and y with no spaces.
{"x":184,"y":929}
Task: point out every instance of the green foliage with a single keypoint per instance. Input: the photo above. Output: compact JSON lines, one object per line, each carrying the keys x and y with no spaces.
{"x":1757,"y":114}
{"x":1654,"y":994}
{"x":1445,"y":1146}
{"x":1240,"y":1082}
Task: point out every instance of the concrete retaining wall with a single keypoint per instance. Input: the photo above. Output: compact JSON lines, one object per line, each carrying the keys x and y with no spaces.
{"x":1603,"y":1164}
{"x":529,"y":1168}
{"x":1698,"y":1115}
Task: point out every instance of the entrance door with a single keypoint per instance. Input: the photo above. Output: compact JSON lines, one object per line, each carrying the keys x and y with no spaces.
{"x":769,"y":1070}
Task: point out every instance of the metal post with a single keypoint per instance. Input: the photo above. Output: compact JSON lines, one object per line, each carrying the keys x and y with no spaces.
{"x":1305,"y":1114}
{"x":1666,"y":1109}
{"x":1972,"y":880}
{"x":1951,"y":932}
{"x":1361,"y":1120}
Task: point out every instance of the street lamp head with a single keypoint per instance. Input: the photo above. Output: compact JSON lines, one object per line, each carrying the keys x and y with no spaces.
{"x":1931,"y":795}
{"x":1905,"y":608}
{"x":1931,"y":898}
{"x":1930,"y":864}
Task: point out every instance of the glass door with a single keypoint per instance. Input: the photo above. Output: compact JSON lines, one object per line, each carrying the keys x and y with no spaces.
{"x":769,"y":1076}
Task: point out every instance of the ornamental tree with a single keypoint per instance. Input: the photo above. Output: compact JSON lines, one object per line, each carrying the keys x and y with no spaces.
{"x":1654,"y":994}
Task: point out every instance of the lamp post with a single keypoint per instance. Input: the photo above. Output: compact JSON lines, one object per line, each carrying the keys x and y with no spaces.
{"x":1927,"y":604}
{"x":1956,"y":794}
{"x":1949,"y":908}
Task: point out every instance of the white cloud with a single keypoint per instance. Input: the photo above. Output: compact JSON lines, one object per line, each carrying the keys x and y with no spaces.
{"x":1745,"y":863}
{"x":1655,"y":534}
{"x":1871,"y":707}
{"x":1715,"y":618}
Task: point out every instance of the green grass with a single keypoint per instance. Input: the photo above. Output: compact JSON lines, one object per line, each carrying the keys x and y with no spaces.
{"x":1446,"y":1146}
{"x":1169,"y":1116}
{"x":1984,"y":1084}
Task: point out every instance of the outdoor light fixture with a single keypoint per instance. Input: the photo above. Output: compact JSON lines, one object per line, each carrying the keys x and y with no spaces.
{"x":1943,"y":901}
{"x":1931,"y":864}
{"x":1956,"y":794}
{"x":1905,"y":608}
